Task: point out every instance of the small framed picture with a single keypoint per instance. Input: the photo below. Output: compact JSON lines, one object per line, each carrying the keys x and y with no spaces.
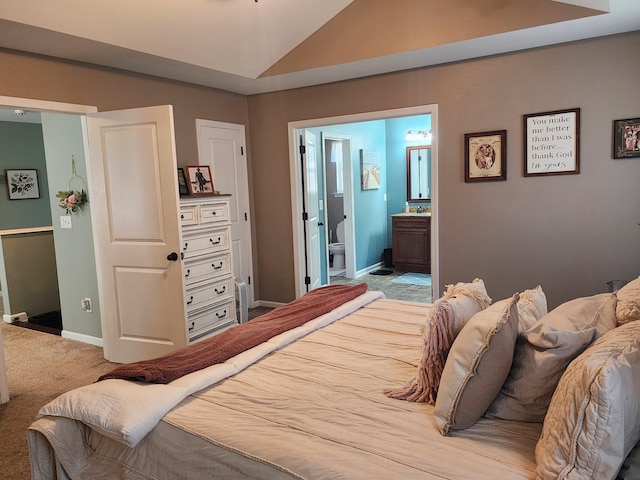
{"x":183,"y":187}
{"x":369,"y":169}
{"x":626,"y":138}
{"x":22,"y":184}
{"x":485,"y":156}
{"x":199,"y":180}
{"x":552,"y":143}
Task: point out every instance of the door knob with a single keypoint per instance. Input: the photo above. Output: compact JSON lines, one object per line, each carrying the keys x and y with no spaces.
{"x":172,"y":257}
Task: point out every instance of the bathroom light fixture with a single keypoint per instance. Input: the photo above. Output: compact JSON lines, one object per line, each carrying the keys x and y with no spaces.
{"x":417,"y":135}
{"x":20,"y":113}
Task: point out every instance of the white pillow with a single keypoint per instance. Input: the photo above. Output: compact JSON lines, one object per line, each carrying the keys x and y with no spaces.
{"x":466,"y":300}
{"x":628,"y":307}
{"x":532,"y":306}
{"x":476,"y":367}
{"x":593,"y":420}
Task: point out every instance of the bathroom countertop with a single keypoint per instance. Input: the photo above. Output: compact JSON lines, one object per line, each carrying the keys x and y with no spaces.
{"x":428,"y":214}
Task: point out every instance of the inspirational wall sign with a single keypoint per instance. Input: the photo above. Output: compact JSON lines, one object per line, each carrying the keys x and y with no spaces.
{"x":552,"y":143}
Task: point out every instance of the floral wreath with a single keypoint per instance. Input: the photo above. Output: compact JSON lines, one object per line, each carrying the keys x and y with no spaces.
{"x":72,"y":201}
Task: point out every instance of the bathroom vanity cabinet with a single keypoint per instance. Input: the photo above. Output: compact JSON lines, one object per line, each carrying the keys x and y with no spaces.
{"x":209,"y":288}
{"x":412,"y":242}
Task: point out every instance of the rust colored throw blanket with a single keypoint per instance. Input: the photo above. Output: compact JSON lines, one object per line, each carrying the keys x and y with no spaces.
{"x":235,"y":340}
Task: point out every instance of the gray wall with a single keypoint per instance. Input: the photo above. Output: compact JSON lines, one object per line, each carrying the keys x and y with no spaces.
{"x":568,"y":233}
{"x":76,"y":261}
{"x":21,"y":147}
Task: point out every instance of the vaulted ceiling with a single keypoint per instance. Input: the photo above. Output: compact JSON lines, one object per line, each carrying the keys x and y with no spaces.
{"x":254,"y":46}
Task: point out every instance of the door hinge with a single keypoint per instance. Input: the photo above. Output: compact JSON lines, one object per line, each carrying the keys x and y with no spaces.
{"x":245,"y":216}
{"x":305,"y":216}
{"x":241,"y":150}
{"x":307,"y":280}
{"x":248,"y":280}
{"x":303,"y":150}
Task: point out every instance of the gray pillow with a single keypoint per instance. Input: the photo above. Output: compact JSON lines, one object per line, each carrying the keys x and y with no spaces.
{"x":544,"y":351}
{"x":476,"y":367}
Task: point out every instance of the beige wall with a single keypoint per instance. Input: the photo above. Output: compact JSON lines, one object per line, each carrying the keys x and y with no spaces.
{"x":569,"y":233}
{"x":45,"y":78}
{"x":30,"y":269}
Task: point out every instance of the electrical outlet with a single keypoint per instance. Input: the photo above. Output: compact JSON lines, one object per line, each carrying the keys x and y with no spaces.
{"x":86,"y":305}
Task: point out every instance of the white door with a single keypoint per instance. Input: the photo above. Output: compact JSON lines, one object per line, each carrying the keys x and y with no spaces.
{"x":222,"y":146}
{"x":134,"y":201}
{"x":310,"y":169}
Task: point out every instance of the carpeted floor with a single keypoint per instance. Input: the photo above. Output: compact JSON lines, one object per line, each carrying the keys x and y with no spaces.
{"x":40,"y":366}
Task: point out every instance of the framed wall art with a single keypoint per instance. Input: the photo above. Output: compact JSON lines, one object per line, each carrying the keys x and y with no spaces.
{"x":626,"y":138}
{"x":199,"y":180}
{"x":485,"y":156}
{"x":552,"y":143}
{"x":22,"y":184}
{"x":183,"y":187}
{"x":369,"y":169}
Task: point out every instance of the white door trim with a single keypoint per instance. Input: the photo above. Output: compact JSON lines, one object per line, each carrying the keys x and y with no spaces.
{"x":295,"y":172}
{"x":45,"y":106}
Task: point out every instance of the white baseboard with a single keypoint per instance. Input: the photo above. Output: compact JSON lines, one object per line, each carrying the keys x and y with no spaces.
{"x":369,"y":269}
{"x":264,"y":303}
{"x":16,"y":317}
{"x":80,"y":337}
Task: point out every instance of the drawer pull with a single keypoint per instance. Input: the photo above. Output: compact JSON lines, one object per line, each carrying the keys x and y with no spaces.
{"x":190,"y":300}
{"x":220,"y":292}
{"x":186,"y":244}
{"x":187,"y":274}
{"x":221,"y":316}
{"x":218,"y":242}
{"x":214,"y":213}
{"x":218,"y":267}
{"x":193,"y":325}
{"x":182,"y":217}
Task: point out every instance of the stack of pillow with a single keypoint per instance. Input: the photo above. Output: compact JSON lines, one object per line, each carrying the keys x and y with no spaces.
{"x":570,"y":369}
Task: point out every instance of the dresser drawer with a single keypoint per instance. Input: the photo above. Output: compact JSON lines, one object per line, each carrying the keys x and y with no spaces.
{"x":210,"y":320}
{"x":204,"y":268}
{"x":213,"y":292}
{"x":188,"y":215}
{"x":194,"y":244}
{"x":214,"y":212}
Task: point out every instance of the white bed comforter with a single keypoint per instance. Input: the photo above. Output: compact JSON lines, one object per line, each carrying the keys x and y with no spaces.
{"x":311,"y":410}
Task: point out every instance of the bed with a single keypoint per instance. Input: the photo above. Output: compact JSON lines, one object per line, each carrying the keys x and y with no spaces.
{"x":307,"y":404}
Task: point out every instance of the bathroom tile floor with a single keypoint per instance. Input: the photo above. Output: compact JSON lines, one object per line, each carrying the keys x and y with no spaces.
{"x":397,"y":291}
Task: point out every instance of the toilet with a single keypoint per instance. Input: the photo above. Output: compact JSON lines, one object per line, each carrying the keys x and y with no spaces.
{"x":337,"y":248}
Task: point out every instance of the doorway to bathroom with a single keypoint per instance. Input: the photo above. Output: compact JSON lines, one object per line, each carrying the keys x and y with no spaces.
{"x":370,"y":220}
{"x":336,"y":164}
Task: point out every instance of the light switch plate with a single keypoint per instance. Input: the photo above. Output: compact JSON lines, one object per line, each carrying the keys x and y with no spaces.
{"x":65,"y":221}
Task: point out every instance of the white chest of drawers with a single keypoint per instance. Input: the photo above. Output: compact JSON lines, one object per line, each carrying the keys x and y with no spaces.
{"x":209,"y":288}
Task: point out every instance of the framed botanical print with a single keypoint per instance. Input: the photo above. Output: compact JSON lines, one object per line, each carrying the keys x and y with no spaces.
{"x":22,"y":184}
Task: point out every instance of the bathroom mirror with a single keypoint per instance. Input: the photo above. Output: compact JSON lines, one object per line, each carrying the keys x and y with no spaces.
{"x":418,"y":174}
